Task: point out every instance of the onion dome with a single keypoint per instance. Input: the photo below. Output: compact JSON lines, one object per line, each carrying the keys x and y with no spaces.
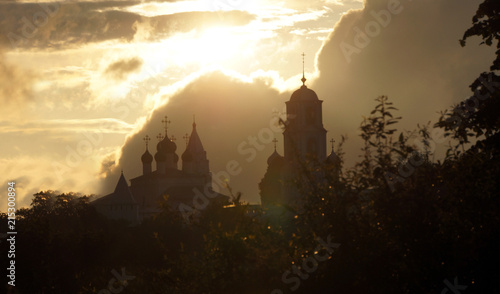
{"x":275,"y":158}
{"x":147,"y":157}
{"x":160,"y":156}
{"x":159,"y":147}
{"x":167,"y":145}
{"x":160,"y":150}
{"x":170,"y":146}
{"x":304,"y":94}
{"x":333,"y":157}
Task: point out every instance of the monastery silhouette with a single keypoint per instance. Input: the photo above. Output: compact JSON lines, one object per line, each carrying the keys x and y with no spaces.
{"x":304,"y":141}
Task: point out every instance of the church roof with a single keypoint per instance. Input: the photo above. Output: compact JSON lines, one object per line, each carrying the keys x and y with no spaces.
{"x":166,"y":145}
{"x":122,"y":195}
{"x":333,"y":157}
{"x":147,"y":157}
{"x":194,"y":145}
{"x":304,"y":94}
{"x":185,"y":194}
{"x":170,"y":173}
{"x":275,"y":158}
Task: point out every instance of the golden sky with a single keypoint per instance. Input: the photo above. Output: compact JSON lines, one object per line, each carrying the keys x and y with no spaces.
{"x":81,"y":83}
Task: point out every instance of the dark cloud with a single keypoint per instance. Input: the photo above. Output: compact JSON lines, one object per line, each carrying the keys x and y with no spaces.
{"x":71,"y":24}
{"x":119,"y":70}
{"x":412,"y":55}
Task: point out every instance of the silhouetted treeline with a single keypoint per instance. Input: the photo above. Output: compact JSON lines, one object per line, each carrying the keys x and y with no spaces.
{"x":396,"y":223}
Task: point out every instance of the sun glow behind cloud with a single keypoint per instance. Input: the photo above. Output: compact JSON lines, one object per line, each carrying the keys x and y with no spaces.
{"x":166,"y":8}
{"x":141,"y":62}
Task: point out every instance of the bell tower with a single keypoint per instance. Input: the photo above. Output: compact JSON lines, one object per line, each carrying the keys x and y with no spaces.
{"x":304,"y":135}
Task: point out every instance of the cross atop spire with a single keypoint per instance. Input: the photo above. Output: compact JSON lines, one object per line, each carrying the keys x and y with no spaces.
{"x":186,"y":138}
{"x":275,"y":141}
{"x":166,"y":122}
{"x":173,"y":138}
{"x":332,"y":141}
{"x":147,"y":139}
{"x":159,"y":137}
{"x":194,"y":122}
{"x":303,"y":71}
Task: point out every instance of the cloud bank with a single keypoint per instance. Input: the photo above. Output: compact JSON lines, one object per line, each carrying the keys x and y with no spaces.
{"x":411,"y":53}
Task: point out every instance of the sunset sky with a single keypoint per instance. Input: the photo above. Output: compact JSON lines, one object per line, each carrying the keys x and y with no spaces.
{"x":81,"y":83}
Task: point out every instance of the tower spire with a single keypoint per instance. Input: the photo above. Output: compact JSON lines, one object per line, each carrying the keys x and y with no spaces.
{"x":303,"y":71}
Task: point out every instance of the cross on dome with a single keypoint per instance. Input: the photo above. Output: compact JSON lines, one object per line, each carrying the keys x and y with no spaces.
{"x":275,"y":141}
{"x":166,"y":122}
{"x":147,"y":139}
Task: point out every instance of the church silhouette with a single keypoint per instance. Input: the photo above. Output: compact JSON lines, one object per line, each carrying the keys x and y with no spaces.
{"x":146,"y":192}
{"x":304,"y":147}
{"x":304,"y":152}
